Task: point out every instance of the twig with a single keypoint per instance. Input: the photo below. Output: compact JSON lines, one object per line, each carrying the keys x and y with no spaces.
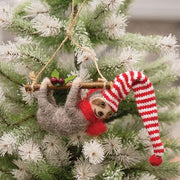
{"x":4,"y":171}
{"x":35,"y":58}
{"x":83,"y":85}
{"x":12,"y":80}
{"x":23,"y":120}
{"x":102,"y":11}
{"x":4,"y":120}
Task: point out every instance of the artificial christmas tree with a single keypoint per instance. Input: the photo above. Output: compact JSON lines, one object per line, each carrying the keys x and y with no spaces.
{"x":96,"y":45}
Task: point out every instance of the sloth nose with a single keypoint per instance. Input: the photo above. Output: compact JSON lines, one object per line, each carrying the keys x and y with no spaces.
{"x":100,"y":113}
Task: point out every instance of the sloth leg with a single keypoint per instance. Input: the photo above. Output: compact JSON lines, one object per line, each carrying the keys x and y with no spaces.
{"x":50,"y":96}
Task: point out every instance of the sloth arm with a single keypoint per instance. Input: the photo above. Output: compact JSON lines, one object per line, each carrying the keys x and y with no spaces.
{"x":46,"y":100}
{"x":71,"y":105}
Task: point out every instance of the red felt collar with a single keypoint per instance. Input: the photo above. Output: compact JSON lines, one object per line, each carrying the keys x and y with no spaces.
{"x":87,"y":111}
{"x":96,"y":126}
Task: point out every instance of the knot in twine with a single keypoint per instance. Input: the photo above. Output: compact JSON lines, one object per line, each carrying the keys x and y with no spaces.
{"x":32,"y":76}
{"x":69,"y":34}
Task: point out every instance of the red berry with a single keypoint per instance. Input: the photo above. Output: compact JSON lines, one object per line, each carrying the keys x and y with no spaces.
{"x":54,"y":80}
{"x":61,"y":81}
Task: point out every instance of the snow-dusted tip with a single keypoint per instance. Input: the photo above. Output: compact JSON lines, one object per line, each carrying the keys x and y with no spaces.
{"x":113,"y":172}
{"x":29,"y":151}
{"x":145,"y":176}
{"x":128,"y":156}
{"x":86,"y":57}
{"x":83,"y":170}
{"x":9,"y":52}
{"x":106,"y":5}
{"x":167,"y":43}
{"x":35,"y":8}
{"x":46,"y":25}
{"x":55,"y":151}
{"x":173,"y":59}
{"x":51,"y":144}
{"x":129,"y":57}
{"x":93,"y":5}
{"x":19,"y":40}
{"x":93,"y":151}
{"x":8,"y":144}
{"x":114,"y":26}
{"x":112,"y":145}
{"x":113,"y":5}
{"x":6,"y":15}
{"x":28,"y":97}
{"x":77,"y":139}
{"x":60,"y":158}
{"x":143,"y":138}
{"x":21,"y":173}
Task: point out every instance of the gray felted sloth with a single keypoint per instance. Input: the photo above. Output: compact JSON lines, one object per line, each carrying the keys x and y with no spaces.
{"x":88,"y":113}
{"x":76,"y":115}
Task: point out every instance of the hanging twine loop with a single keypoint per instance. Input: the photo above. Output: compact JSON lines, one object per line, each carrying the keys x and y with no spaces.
{"x":68,"y":36}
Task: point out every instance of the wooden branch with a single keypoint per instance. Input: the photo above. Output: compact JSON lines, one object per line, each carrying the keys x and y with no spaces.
{"x":83,"y":85}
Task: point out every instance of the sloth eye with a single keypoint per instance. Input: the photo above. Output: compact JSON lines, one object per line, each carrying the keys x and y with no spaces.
{"x":110,"y":114}
{"x":100,"y":113}
{"x":102,"y":103}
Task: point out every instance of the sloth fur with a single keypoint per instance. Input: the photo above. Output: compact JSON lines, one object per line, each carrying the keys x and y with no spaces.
{"x":76,"y":115}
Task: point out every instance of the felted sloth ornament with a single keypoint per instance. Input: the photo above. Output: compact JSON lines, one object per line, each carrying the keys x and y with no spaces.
{"x":87,"y":114}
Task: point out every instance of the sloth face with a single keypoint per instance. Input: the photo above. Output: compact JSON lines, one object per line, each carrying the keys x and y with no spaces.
{"x":101,"y":109}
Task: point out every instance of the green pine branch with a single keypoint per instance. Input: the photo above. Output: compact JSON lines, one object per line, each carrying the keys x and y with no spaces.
{"x":7,"y":71}
{"x":140,"y":42}
{"x":166,"y":170}
{"x":43,"y":170}
{"x":173,"y":144}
